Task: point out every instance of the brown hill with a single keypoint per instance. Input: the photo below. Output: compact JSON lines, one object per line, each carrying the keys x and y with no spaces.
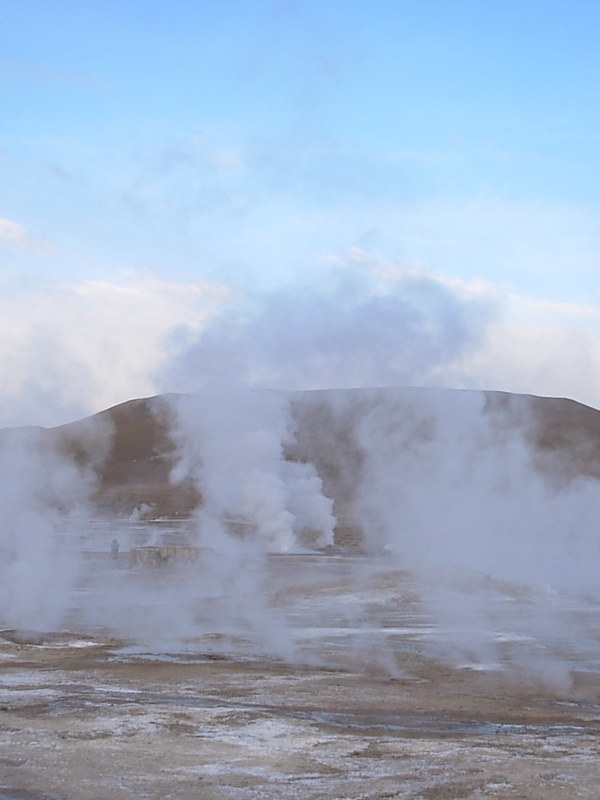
{"x":132,"y":450}
{"x":135,"y":465}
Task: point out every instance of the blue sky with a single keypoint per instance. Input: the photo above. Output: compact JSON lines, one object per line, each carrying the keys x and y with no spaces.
{"x":163,"y":165}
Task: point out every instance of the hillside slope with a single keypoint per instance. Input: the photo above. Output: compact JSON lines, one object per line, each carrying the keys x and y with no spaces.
{"x":132,"y":446}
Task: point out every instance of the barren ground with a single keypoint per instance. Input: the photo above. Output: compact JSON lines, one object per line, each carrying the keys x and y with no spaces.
{"x":84,"y":714}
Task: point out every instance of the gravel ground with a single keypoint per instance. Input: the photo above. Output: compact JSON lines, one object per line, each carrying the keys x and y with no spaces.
{"x":88,"y":714}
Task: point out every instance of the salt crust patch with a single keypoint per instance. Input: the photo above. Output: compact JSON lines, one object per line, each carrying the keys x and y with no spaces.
{"x":84,"y":643}
{"x":23,"y":678}
{"x":117,"y":725}
{"x":345,"y":754}
{"x":32,"y":678}
{"x":10,"y":695}
{"x":267,"y":733}
{"x":140,"y":724}
{"x":115,"y":689}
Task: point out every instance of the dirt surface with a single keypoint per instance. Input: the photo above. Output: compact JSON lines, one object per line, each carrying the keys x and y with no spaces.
{"x":87,"y":715}
{"x":326,"y":675}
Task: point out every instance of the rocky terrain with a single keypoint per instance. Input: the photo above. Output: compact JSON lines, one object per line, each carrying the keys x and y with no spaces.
{"x":447,"y":645}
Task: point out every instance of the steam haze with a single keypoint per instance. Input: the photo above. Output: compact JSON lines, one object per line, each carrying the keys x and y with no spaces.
{"x":282,"y":217}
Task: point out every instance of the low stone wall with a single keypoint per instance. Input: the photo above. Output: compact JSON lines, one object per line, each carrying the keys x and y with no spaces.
{"x":160,"y":556}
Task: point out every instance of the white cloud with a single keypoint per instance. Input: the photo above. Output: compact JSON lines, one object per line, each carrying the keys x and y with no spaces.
{"x":359,"y":327}
{"x":545,"y":250}
{"x":12,"y":234}
{"x":78,"y":349}
{"x":535,"y":347}
{"x":528,"y":344}
{"x":388,"y":274}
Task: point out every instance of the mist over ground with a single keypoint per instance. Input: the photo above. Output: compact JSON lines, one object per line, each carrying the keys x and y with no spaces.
{"x":488,"y":501}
